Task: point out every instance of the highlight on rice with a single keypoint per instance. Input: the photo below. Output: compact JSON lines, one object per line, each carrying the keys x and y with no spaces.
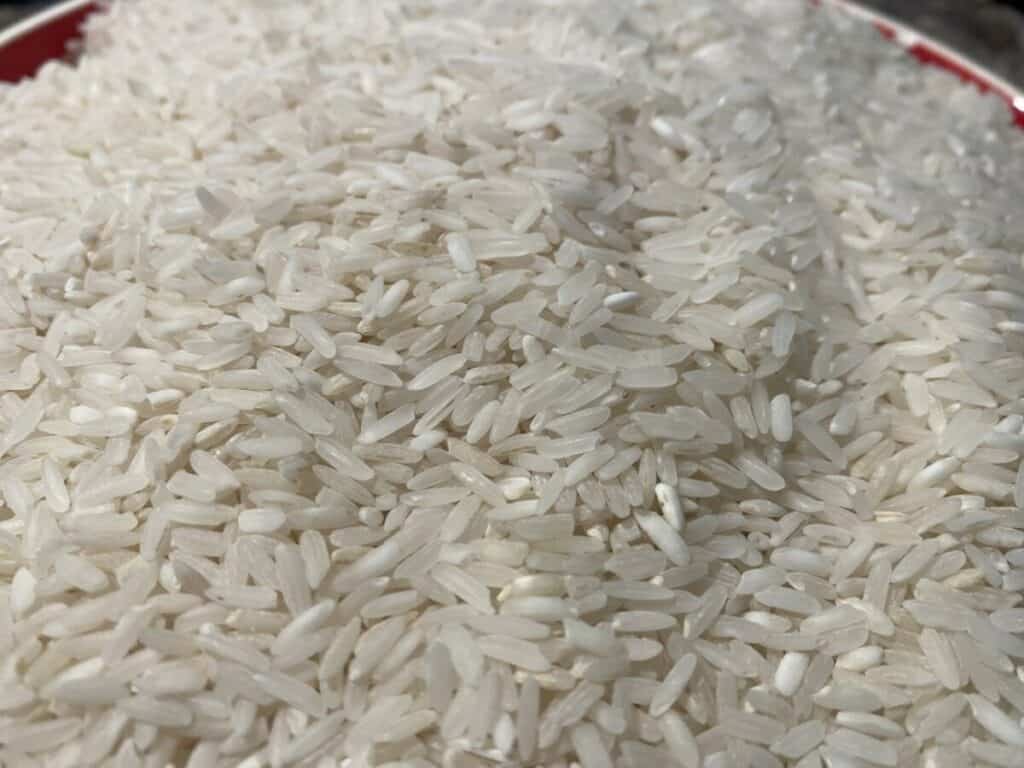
{"x":474,"y":384}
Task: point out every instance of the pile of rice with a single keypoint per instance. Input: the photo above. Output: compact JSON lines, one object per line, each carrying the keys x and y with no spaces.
{"x":473,"y":384}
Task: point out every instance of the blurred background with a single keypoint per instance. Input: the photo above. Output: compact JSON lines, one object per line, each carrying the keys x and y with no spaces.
{"x":990,"y":31}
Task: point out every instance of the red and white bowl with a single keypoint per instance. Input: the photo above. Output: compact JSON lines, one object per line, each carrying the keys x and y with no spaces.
{"x":932,"y":52}
{"x":26,"y":46}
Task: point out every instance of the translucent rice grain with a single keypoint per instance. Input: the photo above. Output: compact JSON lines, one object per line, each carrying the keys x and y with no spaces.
{"x":463,"y":586}
{"x":590,"y":749}
{"x":642,"y":621}
{"x":261,"y":520}
{"x":647,"y":378}
{"x":759,"y":472}
{"x":790,"y":600}
{"x":821,"y":440}
{"x":939,"y":715}
{"x":388,"y":425}
{"x":756,"y":579}
{"x":915,"y":561}
{"x":311,"y":330}
{"x":435,"y":372}
{"x":800,"y":739}
{"x":518,"y":653}
{"x":391,"y":300}
{"x":294,"y":692}
{"x":160,"y":712}
{"x":782,"y":333}
{"x":291,"y":575}
{"x":679,"y":740}
{"x":54,"y":487}
{"x":867,"y":748}
{"x":664,"y":537}
{"x":995,"y":721}
{"x":80,"y":573}
{"x":757,"y":309}
{"x":916,"y":390}
{"x":935,"y":473}
{"x":673,"y":685}
{"x":587,"y":464}
{"x":527,"y":718}
{"x":872,"y":725}
{"x":315,"y":557}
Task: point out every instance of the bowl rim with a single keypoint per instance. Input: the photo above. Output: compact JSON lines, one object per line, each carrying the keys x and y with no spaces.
{"x":41,"y":19}
{"x":943,"y":55}
{"x":904,"y":35}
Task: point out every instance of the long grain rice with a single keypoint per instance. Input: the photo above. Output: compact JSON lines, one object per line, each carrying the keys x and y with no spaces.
{"x":428,"y":384}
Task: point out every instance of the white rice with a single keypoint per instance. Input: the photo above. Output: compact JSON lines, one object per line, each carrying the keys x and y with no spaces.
{"x":465,"y":384}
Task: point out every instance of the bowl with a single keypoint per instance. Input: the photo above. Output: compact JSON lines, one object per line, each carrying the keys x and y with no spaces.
{"x":933,"y":53}
{"x":42,"y":37}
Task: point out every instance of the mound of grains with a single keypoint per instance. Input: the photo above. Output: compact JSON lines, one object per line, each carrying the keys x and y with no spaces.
{"x":525,"y":384}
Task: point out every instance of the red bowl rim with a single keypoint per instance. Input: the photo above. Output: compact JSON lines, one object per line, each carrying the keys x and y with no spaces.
{"x":924,"y":47}
{"x":43,"y":18}
{"x":27,"y":45}
{"x":930,"y":51}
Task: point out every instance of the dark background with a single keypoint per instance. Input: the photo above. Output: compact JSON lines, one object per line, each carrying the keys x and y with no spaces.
{"x":990,"y":31}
